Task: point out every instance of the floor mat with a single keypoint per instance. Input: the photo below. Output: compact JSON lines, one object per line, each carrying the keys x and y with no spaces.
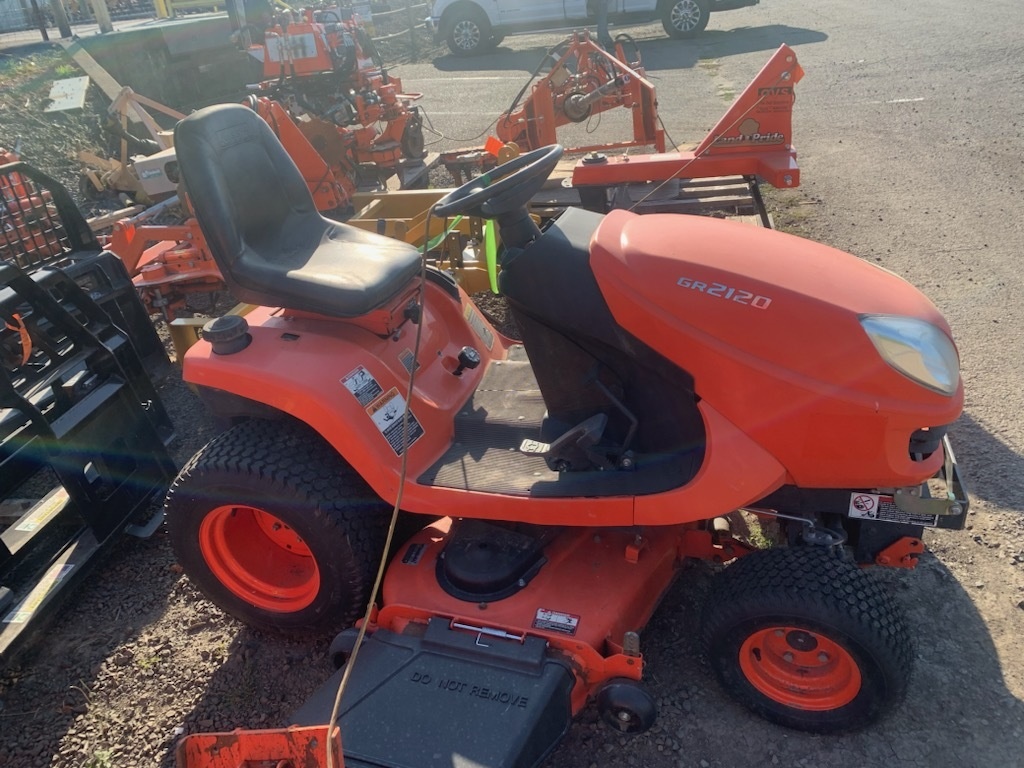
{"x":506,"y":409}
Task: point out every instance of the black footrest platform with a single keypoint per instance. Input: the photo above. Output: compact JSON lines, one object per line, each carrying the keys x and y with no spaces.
{"x":448,"y":697}
{"x":506,"y":409}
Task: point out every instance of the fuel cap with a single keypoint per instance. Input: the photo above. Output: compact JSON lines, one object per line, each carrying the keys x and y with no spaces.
{"x":228,"y":334}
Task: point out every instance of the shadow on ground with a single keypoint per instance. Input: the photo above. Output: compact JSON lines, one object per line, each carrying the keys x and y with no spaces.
{"x":523,"y":54}
{"x":993,"y":470}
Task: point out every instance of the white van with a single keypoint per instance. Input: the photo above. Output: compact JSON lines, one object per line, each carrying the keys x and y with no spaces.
{"x":476,"y":26}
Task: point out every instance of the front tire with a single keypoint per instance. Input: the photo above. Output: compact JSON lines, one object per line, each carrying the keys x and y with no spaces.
{"x":469,"y":33}
{"x":275,"y":529}
{"x":807,"y":640}
{"x":684,"y":18}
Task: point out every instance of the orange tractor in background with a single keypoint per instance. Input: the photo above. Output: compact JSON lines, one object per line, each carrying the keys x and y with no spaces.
{"x":346,"y":123}
{"x":333,"y":83}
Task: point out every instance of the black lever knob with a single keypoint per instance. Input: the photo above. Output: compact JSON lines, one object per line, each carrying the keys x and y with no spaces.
{"x":469,"y":359}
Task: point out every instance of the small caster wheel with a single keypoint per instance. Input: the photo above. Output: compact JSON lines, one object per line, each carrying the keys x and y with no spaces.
{"x":626,"y":706}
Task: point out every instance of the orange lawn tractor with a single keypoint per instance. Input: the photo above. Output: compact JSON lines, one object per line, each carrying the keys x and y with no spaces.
{"x":676,"y":375}
{"x":329,"y":76}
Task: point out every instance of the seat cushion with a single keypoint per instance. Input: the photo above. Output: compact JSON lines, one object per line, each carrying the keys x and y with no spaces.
{"x":345,"y":272}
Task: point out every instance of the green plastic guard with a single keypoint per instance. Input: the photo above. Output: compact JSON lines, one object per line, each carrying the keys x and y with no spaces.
{"x":491,"y":253}
{"x":432,"y":244}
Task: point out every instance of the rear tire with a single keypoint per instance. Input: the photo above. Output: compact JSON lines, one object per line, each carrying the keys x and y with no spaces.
{"x":470,"y":32}
{"x":275,"y":529}
{"x":413,"y":143}
{"x":684,"y":18}
{"x":807,"y":640}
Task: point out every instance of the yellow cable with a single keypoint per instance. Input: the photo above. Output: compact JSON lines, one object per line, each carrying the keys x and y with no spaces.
{"x":403,"y":472}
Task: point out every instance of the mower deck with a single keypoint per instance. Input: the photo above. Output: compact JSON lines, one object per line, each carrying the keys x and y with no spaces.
{"x":506,"y":409}
{"x":475,"y":654}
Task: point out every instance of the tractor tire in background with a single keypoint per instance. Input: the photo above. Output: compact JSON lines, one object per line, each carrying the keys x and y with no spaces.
{"x":469,"y":31}
{"x":807,"y":640}
{"x":684,"y":18}
{"x":276,"y":529}
{"x":413,"y":142}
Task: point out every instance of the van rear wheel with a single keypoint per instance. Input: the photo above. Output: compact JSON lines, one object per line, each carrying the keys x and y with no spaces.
{"x":470,"y":32}
{"x":684,"y":18}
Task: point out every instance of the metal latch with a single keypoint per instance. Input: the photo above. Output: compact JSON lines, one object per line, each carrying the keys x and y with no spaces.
{"x":482,"y":632}
{"x":918,"y":499}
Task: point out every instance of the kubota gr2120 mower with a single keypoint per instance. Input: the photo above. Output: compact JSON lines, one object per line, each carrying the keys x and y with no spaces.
{"x":675,"y":373}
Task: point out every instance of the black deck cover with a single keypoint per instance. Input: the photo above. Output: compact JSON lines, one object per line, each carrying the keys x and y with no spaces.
{"x":448,"y":698}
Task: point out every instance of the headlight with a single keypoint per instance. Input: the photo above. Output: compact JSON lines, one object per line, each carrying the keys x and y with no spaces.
{"x":917,"y":349}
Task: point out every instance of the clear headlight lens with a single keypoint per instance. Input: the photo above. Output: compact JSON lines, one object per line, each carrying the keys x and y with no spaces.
{"x":917,"y":349}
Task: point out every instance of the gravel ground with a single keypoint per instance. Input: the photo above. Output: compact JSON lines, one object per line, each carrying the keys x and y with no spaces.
{"x":139,"y":657}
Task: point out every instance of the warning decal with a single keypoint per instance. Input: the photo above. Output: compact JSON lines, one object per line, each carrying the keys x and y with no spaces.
{"x":408,"y":360}
{"x":555,"y":621}
{"x":362,"y":384}
{"x":476,"y":322}
{"x":44,"y":512}
{"x":24,"y":610}
{"x":386,"y":412}
{"x":870,"y":506}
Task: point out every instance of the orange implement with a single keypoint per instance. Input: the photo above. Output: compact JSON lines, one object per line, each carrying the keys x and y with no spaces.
{"x":754,"y":138}
{"x":902,"y":553}
{"x":585,"y":80}
{"x":296,"y":747}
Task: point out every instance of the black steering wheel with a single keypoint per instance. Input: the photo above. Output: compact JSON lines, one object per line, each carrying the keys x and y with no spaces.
{"x":503,"y":191}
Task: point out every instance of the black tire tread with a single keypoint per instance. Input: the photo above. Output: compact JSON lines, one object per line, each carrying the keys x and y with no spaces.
{"x":291,"y":459}
{"x":821,"y":584}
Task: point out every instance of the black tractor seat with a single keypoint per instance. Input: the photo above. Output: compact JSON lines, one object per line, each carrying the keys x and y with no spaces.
{"x":272,"y":245}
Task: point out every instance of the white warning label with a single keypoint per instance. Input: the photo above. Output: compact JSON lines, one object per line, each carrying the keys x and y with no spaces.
{"x":870,"y":506}
{"x":24,"y":610}
{"x":45,"y":512}
{"x":476,"y":322}
{"x":556,"y":621}
{"x":386,"y":412}
{"x":362,"y":384}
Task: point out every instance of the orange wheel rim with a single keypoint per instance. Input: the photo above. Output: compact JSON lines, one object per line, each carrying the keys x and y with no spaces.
{"x":259,"y":558}
{"x":800,"y":668}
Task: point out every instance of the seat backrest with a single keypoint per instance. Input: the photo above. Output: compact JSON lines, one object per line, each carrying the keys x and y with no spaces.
{"x":243,"y":185}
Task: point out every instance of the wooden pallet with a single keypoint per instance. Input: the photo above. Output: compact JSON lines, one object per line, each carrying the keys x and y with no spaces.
{"x":726,"y":196}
